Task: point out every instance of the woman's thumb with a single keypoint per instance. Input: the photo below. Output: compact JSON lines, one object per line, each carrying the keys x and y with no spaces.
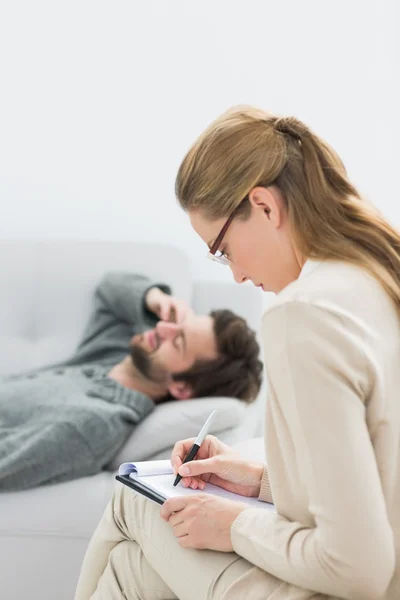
{"x":197,"y":467}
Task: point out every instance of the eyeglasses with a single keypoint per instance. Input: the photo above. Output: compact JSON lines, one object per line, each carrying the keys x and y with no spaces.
{"x":215,"y":254}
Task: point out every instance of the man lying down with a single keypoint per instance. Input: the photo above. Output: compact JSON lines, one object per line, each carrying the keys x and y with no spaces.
{"x":141,"y":346}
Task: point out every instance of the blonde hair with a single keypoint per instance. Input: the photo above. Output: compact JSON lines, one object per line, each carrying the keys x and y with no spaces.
{"x":247,"y":147}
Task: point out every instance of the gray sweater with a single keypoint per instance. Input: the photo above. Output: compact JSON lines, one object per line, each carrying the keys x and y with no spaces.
{"x":69,"y":420}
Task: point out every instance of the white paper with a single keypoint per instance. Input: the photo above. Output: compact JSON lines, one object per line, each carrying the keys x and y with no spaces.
{"x":164,"y":485}
{"x":146,"y":467}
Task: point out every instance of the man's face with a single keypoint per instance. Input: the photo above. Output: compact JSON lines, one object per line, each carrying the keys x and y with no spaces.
{"x":171,"y":348}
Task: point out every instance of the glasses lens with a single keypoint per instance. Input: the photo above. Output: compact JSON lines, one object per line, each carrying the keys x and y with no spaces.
{"x":218,"y":258}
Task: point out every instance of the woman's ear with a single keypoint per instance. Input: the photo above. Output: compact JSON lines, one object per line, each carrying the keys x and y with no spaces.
{"x":268,"y":199}
{"x":180,"y":390}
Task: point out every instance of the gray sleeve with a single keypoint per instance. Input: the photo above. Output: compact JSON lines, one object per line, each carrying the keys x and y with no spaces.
{"x":39,"y":452}
{"x":53,"y":452}
{"x":119,"y":299}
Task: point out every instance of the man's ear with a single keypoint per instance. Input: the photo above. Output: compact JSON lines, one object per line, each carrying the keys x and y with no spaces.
{"x":180,"y":390}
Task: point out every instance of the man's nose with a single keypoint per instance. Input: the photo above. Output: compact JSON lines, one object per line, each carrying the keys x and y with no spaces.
{"x":166,"y":331}
{"x":238,"y":274}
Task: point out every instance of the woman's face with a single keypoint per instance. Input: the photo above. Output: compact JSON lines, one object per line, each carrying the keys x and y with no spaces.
{"x":260,"y":249}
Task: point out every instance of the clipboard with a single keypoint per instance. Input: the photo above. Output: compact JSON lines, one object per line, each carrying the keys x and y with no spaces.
{"x":154,"y":480}
{"x":141,"y":488}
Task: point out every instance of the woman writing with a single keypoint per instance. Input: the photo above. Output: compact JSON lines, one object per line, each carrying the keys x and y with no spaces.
{"x":273,"y":202}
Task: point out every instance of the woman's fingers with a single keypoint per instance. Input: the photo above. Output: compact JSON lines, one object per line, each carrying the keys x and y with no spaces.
{"x":200,"y":467}
{"x":195,"y":483}
{"x":180,"y":451}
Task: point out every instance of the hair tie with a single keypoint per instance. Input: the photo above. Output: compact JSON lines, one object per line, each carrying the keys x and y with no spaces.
{"x":292,"y":127}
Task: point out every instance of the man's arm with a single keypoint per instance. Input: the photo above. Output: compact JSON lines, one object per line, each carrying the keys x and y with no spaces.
{"x":119,"y":305}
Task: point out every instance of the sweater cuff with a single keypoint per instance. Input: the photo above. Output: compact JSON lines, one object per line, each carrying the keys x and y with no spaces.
{"x":244,"y":531}
{"x":265,"y":494}
{"x":149,"y":317}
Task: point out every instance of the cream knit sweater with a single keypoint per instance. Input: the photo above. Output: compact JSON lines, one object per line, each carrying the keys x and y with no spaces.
{"x":332,"y":355}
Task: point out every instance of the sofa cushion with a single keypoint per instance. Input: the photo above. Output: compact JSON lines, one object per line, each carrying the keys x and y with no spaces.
{"x":177,"y":420}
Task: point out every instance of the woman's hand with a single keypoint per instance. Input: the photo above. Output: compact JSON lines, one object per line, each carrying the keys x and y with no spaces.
{"x":218,"y":464}
{"x":202,"y":521}
{"x":166,"y":307}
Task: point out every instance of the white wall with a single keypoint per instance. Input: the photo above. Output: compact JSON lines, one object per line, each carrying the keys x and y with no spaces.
{"x":100,"y":100}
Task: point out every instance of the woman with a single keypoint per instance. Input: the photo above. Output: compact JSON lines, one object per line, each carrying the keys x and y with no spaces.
{"x":273,"y":201}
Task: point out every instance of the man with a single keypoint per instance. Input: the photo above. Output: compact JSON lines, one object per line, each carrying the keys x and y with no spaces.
{"x":141,"y":346}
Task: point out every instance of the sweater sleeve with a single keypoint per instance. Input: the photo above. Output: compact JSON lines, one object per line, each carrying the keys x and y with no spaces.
{"x":119,"y":299}
{"x":265,"y":494}
{"x":320,"y":378}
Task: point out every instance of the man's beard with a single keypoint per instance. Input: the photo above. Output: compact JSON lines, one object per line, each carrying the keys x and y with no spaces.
{"x":147,"y":366}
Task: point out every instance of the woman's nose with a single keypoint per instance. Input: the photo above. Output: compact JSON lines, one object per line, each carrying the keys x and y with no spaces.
{"x":238,"y":275}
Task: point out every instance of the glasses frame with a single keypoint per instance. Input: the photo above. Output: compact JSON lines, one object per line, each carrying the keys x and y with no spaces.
{"x":222,"y":260}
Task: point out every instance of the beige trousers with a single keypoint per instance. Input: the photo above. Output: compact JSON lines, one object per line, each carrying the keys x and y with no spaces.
{"x":133,"y":555}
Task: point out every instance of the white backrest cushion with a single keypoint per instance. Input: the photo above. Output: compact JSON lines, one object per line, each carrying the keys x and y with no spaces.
{"x":245,"y":299}
{"x":47,"y":291}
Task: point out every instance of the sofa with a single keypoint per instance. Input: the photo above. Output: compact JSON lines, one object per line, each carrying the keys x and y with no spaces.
{"x":44,"y":305}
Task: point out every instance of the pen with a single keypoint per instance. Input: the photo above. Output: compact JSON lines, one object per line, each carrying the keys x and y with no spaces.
{"x":198,"y":441}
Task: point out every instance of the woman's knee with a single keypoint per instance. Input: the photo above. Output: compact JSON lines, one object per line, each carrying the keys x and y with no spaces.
{"x":120,"y":553}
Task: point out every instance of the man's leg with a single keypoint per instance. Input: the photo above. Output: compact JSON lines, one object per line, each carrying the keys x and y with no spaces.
{"x":134,"y":555}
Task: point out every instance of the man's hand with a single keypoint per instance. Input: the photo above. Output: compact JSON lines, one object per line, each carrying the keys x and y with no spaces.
{"x":166,"y":307}
{"x":202,"y":521}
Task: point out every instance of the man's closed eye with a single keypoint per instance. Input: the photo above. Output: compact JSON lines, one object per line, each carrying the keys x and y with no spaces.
{"x":180,"y":343}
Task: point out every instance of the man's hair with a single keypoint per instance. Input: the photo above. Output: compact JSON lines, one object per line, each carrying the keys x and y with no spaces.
{"x":237,"y":371}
